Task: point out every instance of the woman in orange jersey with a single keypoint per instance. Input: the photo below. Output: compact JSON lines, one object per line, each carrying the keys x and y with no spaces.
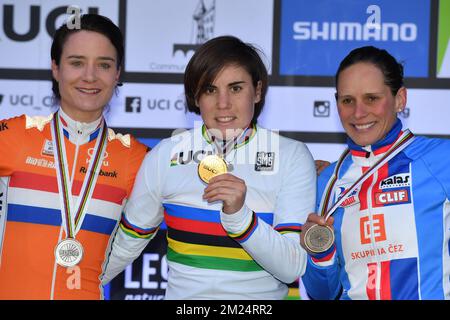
{"x":68,"y":175}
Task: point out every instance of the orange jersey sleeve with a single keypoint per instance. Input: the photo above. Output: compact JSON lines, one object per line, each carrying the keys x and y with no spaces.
{"x":12,"y":135}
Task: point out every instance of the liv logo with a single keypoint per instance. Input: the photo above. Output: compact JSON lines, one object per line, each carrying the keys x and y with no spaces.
{"x":443,"y":65}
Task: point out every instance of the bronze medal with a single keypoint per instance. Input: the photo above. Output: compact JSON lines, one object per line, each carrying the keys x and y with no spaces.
{"x":319,"y":239}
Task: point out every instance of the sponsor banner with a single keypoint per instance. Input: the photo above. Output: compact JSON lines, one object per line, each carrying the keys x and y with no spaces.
{"x":301,"y":109}
{"x":317,"y":35}
{"x":427,"y":111}
{"x":162,"y":106}
{"x":162,"y":35}
{"x":443,"y":64}
{"x":27,"y":27}
{"x":310,"y":109}
{"x":21,"y":96}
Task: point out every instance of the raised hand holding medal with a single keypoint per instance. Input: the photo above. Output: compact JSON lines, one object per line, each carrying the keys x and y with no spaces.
{"x":216,"y":164}
{"x":320,"y":237}
{"x":211,"y":166}
{"x":222,"y":186}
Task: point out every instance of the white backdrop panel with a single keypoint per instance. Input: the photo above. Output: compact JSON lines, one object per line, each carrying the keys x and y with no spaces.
{"x":155,"y":27}
{"x":304,"y":109}
{"x":35,"y":53}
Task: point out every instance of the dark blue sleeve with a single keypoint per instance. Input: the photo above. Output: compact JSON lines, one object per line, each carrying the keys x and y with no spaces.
{"x":322,"y":282}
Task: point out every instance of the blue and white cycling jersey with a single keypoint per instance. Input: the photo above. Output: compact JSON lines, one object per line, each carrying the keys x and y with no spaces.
{"x":392,"y":233}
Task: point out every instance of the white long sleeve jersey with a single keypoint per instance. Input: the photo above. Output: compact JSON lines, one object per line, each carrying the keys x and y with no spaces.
{"x":251,"y":254}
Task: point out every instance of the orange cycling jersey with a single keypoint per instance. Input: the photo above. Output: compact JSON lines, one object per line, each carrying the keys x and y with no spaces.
{"x":32,"y":222}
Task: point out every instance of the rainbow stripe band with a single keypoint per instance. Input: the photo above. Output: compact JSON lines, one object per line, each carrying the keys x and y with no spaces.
{"x":136,"y":232}
{"x":243,"y":236}
{"x":90,"y":184}
{"x":73,"y":222}
{"x":212,"y":262}
{"x":288,"y":227}
{"x":63,"y":177}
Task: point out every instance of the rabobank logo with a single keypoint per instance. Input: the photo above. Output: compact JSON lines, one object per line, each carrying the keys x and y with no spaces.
{"x":443,"y":58}
{"x":317,"y":35}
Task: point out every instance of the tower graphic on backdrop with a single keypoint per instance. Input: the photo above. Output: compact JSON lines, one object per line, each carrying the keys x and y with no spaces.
{"x":202,"y":26}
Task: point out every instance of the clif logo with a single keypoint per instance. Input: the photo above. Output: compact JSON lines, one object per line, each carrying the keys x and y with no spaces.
{"x":391,"y":197}
{"x":376,"y":229}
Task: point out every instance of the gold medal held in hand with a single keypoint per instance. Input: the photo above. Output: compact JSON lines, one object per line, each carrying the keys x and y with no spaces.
{"x":211,"y":166}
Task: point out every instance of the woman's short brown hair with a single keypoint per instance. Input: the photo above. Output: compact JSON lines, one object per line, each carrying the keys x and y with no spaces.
{"x":212,"y":57}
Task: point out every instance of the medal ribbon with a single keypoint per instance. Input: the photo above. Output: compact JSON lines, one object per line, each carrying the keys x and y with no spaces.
{"x":73,"y":216}
{"x":406,"y":138}
{"x":223,"y":151}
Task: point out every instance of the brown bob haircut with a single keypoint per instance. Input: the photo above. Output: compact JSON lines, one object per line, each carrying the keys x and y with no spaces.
{"x":212,"y":57}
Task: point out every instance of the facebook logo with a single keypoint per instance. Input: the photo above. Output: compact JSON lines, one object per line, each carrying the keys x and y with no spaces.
{"x":133,"y":104}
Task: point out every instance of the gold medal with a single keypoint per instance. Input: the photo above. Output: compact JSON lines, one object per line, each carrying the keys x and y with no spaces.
{"x":210,"y":167}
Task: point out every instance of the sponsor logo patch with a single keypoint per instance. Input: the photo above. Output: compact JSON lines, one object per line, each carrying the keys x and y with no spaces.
{"x":186,"y":157}
{"x":376,"y":229}
{"x":112,"y":174}
{"x":391,"y":197}
{"x":264,"y":161}
{"x":44,"y":163}
{"x":47,"y":148}
{"x":396,"y":181}
{"x":351,"y":198}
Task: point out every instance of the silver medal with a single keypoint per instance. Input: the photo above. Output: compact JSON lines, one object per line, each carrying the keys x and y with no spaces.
{"x":68,"y":252}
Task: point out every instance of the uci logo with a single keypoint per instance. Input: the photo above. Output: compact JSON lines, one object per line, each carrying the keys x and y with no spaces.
{"x":189,"y":156}
{"x":10,"y":15}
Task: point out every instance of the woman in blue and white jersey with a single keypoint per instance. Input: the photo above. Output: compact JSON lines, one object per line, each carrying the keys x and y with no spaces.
{"x":387,"y":198}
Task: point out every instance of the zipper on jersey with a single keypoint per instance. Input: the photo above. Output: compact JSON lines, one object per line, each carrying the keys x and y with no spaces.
{"x":372,"y":237}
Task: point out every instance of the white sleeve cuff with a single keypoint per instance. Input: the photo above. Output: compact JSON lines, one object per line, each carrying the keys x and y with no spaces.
{"x":237,"y":222}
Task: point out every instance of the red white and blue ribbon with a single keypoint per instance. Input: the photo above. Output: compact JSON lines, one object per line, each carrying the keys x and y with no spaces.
{"x":402,"y":142}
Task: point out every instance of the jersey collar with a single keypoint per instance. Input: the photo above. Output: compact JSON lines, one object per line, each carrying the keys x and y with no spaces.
{"x":380,"y":146}
{"x":242,"y":141}
{"x":79,"y":132}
